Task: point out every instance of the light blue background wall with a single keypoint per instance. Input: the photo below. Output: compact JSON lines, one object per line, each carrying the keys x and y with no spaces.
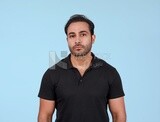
{"x":128,"y":37}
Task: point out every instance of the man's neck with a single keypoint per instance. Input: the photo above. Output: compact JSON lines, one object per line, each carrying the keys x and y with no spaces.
{"x":82,"y":61}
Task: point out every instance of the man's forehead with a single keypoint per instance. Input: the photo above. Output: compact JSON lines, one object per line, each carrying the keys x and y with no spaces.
{"x":78,"y":25}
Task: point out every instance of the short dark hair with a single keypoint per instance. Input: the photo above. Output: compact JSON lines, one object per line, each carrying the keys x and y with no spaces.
{"x":79,"y":18}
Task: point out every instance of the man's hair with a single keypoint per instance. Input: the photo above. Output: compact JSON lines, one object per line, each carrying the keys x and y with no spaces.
{"x":79,"y":18}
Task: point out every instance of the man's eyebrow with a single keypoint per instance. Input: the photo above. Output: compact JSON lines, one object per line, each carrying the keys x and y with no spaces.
{"x":71,"y":33}
{"x":83,"y":32}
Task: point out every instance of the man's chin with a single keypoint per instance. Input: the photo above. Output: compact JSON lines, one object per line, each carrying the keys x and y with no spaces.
{"x":80,"y":54}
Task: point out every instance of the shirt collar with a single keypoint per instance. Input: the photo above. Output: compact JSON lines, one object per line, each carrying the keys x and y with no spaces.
{"x":66,"y":62}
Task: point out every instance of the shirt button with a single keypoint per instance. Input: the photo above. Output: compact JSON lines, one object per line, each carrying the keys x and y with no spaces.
{"x":80,"y":80}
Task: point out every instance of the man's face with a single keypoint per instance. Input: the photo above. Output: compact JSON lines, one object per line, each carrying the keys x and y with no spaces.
{"x":79,"y":38}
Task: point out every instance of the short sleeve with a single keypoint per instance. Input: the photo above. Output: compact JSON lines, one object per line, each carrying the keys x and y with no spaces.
{"x":116,"y":88}
{"x":47,"y":87}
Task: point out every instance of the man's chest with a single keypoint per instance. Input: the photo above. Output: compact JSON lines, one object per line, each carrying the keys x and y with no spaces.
{"x":73,"y":86}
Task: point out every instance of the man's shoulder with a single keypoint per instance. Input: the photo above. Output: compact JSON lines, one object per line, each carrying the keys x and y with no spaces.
{"x":109,"y":70}
{"x":103,"y":63}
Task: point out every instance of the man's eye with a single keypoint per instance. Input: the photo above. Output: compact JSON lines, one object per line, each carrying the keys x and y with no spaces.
{"x":71,"y":36}
{"x":83,"y":34}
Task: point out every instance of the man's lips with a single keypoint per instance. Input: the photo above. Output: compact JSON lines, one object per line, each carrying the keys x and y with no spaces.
{"x":78,"y":47}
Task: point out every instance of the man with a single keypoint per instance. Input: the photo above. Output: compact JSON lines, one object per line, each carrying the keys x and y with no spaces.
{"x":81,"y":86}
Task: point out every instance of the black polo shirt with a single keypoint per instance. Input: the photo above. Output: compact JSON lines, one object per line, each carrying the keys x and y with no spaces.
{"x":81,"y":98}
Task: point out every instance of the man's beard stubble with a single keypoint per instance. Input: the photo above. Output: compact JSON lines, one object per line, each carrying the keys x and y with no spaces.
{"x":86,"y":49}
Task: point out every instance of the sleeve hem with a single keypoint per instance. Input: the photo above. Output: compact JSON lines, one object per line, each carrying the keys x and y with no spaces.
{"x":46,"y":98}
{"x":117,"y":96}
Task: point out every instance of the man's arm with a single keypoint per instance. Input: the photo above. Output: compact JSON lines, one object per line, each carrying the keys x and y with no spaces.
{"x":117,"y":109}
{"x":46,"y":110}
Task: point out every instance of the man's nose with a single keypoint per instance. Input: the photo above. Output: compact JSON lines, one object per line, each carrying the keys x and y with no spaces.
{"x":78,"y":40}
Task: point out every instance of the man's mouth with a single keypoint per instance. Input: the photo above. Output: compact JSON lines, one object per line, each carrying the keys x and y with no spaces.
{"x":78,"y":47}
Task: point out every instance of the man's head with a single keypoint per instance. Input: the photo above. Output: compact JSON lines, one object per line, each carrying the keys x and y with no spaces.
{"x":80,"y":35}
{"x":79,"y":18}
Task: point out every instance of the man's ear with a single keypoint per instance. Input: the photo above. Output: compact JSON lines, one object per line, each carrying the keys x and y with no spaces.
{"x":93,"y":38}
